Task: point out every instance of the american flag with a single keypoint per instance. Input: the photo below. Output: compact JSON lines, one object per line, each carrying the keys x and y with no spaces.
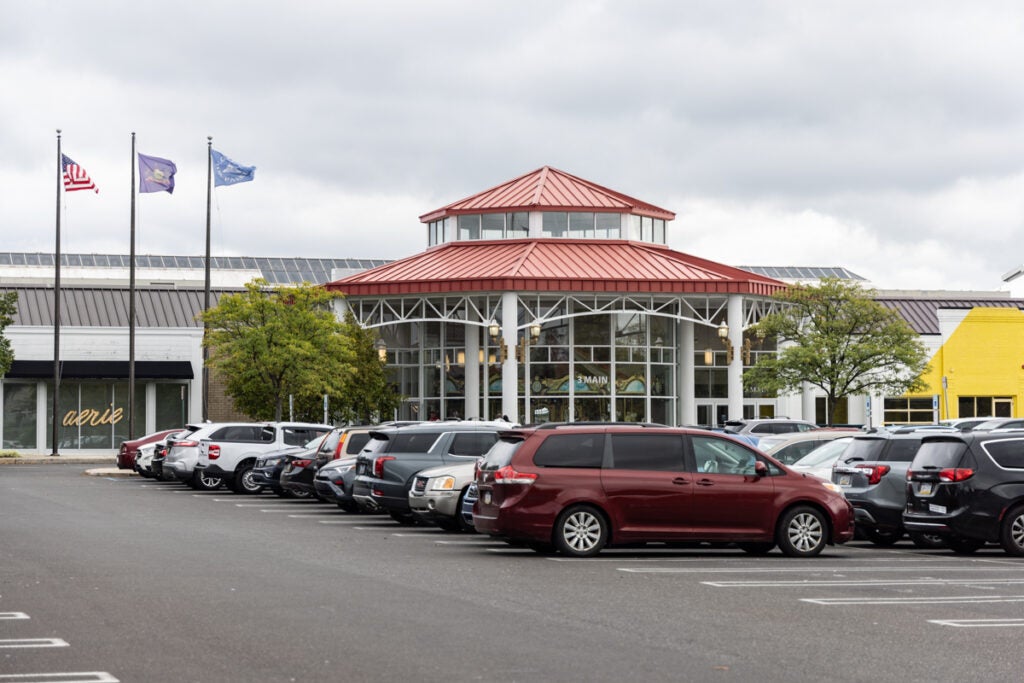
{"x":75,"y":177}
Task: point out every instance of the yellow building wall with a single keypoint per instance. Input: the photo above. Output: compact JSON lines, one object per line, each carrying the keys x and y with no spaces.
{"x":984,"y":356}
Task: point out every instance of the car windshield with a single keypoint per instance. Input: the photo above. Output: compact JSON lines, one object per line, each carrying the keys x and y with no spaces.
{"x":989,"y":425}
{"x":822,"y":454}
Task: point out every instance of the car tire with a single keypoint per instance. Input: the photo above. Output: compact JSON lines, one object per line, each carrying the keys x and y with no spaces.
{"x":403,"y":518}
{"x":802,"y":532}
{"x":927,"y":541}
{"x":244,"y":483}
{"x":756,"y":548}
{"x":205,"y":482}
{"x":580,"y":531}
{"x":1011,"y":533}
{"x":883,"y":537}
{"x":964,"y":546}
{"x":350,"y":507}
{"x":280,"y":492}
{"x":540,"y":547}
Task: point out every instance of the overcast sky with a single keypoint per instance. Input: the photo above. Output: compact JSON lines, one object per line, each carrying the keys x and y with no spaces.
{"x":886,"y":137}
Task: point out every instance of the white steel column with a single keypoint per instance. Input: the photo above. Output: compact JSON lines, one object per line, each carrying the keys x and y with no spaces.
{"x":734,"y":318}
{"x":687,"y":410}
{"x":510,"y":368}
{"x":472,"y":371}
{"x":807,"y":403}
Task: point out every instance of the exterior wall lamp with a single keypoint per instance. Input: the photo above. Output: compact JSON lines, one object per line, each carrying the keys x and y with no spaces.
{"x":494,"y":330}
{"x":723,"y":334}
{"x":533,"y":334}
{"x":382,"y":349}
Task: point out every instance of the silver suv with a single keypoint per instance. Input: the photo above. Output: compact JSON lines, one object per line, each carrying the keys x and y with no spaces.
{"x":755,"y":429}
{"x":230,"y":452}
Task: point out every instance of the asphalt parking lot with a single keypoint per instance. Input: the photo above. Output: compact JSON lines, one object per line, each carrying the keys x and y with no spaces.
{"x":122,"y":579}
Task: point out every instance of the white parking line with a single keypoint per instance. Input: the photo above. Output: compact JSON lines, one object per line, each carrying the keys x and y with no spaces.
{"x":949,"y":600}
{"x":804,"y":570}
{"x":656,"y":555}
{"x":353,"y":521}
{"x":481,"y":542}
{"x":866,"y":583}
{"x":978,"y":623}
{"x":63,"y":677}
{"x":32,"y":642}
{"x":311,"y":513}
{"x":13,"y":615}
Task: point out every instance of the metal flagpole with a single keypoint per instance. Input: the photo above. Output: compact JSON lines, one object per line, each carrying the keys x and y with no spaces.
{"x":56,"y":309}
{"x":131,"y":310}
{"x":206,"y":292}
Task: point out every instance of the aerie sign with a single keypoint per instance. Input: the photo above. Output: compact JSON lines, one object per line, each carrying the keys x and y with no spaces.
{"x":92,"y":417}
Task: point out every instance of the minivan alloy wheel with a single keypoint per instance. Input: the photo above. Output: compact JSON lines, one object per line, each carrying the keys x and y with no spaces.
{"x":580,"y":531}
{"x":802,"y":532}
{"x":1011,"y":536}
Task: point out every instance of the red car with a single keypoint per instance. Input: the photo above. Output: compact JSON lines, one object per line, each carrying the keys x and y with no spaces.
{"x":129,"y":449}
{"x":578,"y":489}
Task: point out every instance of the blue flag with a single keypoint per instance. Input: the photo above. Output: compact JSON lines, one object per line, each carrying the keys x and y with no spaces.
{"x":156,"y":174}
{"x":227,"y":172}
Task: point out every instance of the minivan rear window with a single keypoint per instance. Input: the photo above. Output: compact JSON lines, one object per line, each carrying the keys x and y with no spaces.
{"x":902,"y":450}
{"x":419,"y":442}
{"x":939,"y":455}
{"x":1007,"y":454}
{"x":570,"y":450}
{"x":864,"y":449}
{"x":500,"y":454}
{"x":356,"y":442}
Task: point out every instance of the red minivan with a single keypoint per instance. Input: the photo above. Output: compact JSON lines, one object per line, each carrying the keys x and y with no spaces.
{"x":580,"y":488}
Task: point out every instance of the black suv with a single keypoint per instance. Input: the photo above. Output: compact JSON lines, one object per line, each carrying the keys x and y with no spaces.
{"x":872,"y":473}
{"x":969,"y":488}
{"x":386,"y":468}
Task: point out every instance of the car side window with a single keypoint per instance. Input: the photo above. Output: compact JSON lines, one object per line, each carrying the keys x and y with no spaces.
{"x":570,"y":450}
{"x":294,"y":436}
{"x":1007,"y":454}
{"x":722,"y":456}
{"x":472,"y":444}
{"x":356,"y":442}
{"x":764,"y":428}
{"x":659,"y":452}
{"x":238,"y":433}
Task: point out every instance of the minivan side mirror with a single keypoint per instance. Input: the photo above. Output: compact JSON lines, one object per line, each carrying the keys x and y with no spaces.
{"x":760,"y":469}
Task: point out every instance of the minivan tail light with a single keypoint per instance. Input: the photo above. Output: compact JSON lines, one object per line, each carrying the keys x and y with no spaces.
{"x":507,"y":475}
{"x":955,"y":474}
{"x":378,"y":465}
{"x":875,"y":472}
{"x":213,"y":451}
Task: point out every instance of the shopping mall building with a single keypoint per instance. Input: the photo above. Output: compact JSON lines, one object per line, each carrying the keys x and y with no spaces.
{"x":548,"y":297}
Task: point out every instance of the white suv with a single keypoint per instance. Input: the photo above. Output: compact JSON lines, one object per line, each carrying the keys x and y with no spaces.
{"x":231,"y":451}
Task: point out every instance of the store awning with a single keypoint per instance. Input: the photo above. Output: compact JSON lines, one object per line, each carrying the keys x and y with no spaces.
{"x":101,"y":369}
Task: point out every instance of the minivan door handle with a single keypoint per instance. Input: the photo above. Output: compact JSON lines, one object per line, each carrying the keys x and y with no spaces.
{"x":680,"y":481}
{"x":705,"y":482}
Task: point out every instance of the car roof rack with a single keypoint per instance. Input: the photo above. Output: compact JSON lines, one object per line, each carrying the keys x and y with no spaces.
{"x":594,"y":423}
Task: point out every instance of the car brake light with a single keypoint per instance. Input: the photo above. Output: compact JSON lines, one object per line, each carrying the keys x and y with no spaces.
{"x":955,"y":474}
{"x":298,"y":464}
{"x":507,"y":475}
{"x":341,"y":446}
{"x":187,"y":444}
{"x":378,"y":465}
{"x":875,"y":472}
{"x":213,"y":451}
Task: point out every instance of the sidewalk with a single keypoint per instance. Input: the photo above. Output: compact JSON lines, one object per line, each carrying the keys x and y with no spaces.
{"x":103,"y":465}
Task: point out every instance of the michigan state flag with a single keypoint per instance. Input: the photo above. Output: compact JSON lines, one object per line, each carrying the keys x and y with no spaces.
{"x":228,"y":172}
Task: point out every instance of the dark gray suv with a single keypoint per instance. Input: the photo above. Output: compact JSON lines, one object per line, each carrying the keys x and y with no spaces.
{"x":386,"y":468}
{"x":872,"y":474}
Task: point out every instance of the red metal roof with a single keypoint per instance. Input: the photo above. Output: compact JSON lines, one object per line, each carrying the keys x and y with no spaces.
{"x":548,"y":189}
{"x":554,"y":265}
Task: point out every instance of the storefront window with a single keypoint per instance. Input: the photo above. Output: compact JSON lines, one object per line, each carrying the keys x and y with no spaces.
{"x":95,"y":414}
{"x":171,"y":406}
{"x":19,"y":416}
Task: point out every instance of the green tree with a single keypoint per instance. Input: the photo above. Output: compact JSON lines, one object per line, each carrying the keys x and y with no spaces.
{"x":272,"y":344}
{"x":8,"y":307}
{"x":367,"y":395}
{"x":835,"y":336}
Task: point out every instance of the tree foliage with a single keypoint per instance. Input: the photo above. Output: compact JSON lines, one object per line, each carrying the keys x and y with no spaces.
{"x":835,"y":336}
{"x":270,"y":345}
{"x":8,"y":307}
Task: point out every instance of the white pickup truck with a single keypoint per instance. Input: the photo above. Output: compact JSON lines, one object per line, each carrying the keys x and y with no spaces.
{"x":231,"y":452}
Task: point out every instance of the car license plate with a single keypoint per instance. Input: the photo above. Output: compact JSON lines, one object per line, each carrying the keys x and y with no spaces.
{"x":926,"y":489}
{"x":844,"y":480}
{"x":937,"y":509}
